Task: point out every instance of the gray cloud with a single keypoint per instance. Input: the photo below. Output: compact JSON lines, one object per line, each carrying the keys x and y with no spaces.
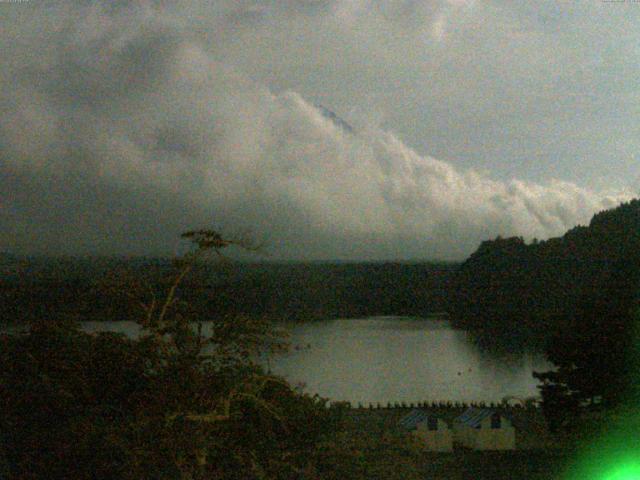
{"x":132,"y":124}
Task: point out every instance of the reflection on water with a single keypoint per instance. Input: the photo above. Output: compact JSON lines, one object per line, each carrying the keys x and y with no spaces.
{"x":391,"y":359}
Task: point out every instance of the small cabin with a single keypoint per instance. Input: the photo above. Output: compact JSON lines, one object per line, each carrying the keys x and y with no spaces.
{"x":484,"y":429}
{"x":433,"y":432}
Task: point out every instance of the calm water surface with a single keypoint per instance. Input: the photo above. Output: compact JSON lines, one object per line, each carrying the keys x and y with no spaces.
{"x":389,"y":359}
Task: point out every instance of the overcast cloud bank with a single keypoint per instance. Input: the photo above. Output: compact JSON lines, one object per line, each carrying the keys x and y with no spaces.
{"x":123,"y":129}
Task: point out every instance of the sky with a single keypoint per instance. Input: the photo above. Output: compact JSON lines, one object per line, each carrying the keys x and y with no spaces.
{"x":125,"y":123}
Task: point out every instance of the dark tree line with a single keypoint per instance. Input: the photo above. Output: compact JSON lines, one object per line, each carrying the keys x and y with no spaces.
{"x":575,"y":296}
{"x":32,"y":288}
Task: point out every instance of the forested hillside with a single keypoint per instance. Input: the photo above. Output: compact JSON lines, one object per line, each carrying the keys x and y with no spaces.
{"x":90,"y":289}
{"x":576,"y":297}
{"x":533,"y":292}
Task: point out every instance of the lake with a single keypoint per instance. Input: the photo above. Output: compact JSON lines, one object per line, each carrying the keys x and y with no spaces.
{"x":393,"y":359}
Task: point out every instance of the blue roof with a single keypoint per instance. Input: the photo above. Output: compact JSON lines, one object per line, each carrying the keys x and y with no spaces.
{"x":413,"y":418}
{"x":474,"y":416}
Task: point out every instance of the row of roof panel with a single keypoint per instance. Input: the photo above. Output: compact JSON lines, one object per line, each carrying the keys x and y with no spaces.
{"x":472,"y":418}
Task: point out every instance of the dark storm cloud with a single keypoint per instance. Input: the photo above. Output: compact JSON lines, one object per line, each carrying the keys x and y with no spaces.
{"x":127,"y":125}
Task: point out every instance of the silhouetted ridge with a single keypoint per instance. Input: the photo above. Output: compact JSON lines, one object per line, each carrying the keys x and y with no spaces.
{"x":287,"y":291}
{"x":527,"y":294}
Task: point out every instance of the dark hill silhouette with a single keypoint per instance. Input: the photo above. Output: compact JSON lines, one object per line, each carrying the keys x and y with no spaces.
{"x":527,"y":294}
{"x":518,"y":293}
{"x":75,"y":287}
{"x":576,"y":296}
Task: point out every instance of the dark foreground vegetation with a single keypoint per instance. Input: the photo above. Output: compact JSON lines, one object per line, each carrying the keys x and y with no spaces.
{"x":173,"y":404}
{"x":103,"y":407}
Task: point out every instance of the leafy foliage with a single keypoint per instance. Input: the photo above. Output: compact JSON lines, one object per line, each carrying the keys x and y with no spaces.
{"x":175,"y":403}
{"x":182,"y":401}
